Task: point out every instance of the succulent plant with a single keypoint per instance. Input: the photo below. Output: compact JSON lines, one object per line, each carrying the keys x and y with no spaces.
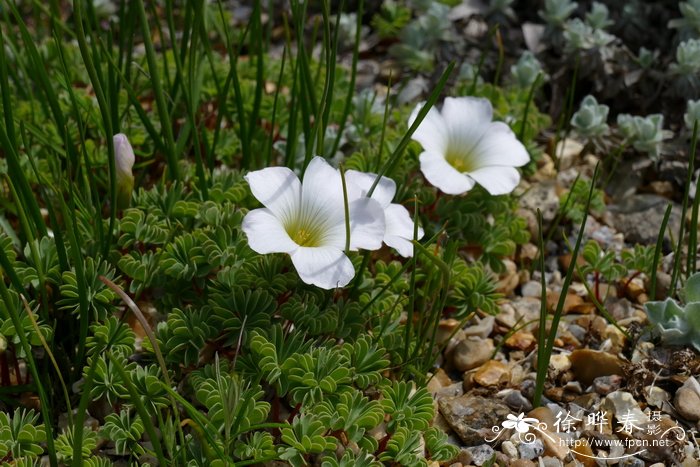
{"x":556,"y":12}
{"x":525,"y":71}
{"x":599,"y":16}
{"x":581,"y":36}
{"x":687,"y":57}
{"x":678,"y":325}
{"x":590,"y":120}
{"x":692,"y":114}
{"x":689,"y":24}
{"x":687,"y":69}
{"x":645,"y":134}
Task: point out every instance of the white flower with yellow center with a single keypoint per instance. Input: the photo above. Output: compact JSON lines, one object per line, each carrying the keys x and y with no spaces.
{"x":307,"y":221}
{"x":463,"y":146}
{"x":399,"y":225}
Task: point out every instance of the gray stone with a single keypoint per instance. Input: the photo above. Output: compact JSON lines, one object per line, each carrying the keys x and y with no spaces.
{"x":473,"y":417}
{"x":482,"y":329}
{"x":542,"y":196}
{"x":550,"y":462}
{"x":471,"y":353}
{"x":516,"y":400}
{"x":531,"y":450}
{"x":639,"y":218}
{"x":481,"y":454}
{"x":531,"y":289}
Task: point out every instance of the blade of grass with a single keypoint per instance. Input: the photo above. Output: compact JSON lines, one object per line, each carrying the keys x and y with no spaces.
{"x":677,"y":259}
{"x":419,"y":118}
{"x":164,"y":115}
{"x":353,"y":77}
{"x":46,"y":347}
{"x":32,"y":365}
{"x":657,"y":252}
{"x":693,"y":232}
{"x":543,"y":363}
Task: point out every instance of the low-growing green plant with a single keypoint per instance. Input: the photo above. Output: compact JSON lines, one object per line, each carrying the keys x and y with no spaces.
{"x":676,"y":324}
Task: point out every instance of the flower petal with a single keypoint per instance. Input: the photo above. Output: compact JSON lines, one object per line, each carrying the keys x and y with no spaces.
{"x":277,"y":188}
{"x":266,"y":233}
{"x":322,"y":193}
{"x":326,"y":267}
{"x":367,"y":224}
{"x":442,"y":175}
{"x":466,"y":114}
{"x":432,"y":133}
{"x":399,"y":229}
{"x":384,"y":191}
{"x":500,"y":146}
{"x":497,"y":180}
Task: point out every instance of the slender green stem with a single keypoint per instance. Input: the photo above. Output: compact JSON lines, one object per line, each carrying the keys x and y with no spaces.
{"x":657,"y":252}
{"x":693,"y":232}
{"x":161,"y":104}
{"x":541,"y":375}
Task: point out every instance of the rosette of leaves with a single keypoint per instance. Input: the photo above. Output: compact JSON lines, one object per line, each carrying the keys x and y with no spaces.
{"x":183,"y":335}
{"x":9,"y":331}
{"x":233,"y":408}
{"x":306,"y":435}
{"x":100,"y":298}
{"x":526,"y":70}
{"x":472,"y":288}
{"x":21,"y":435}
{"x":309,"y":316}
{"x":556,"y":12}
{"x":235,"y":310}
{"x":107,"y":382}
{"x":45,"y":260}
{"x":579,"y":35}
{"x":112,"y":335}
{"x":689,"y":24}
{"x":687,"y":69}
{"x":125,"y":431}
{"x":676,"y":324}
{"x":64,"y":445}
{"x":692,"y":114}
{"x":353,"y":415}
{"x":599,"y":16}
{"x":590,"y":121}
{"x":645,"y":134}
{"x":407,"y":406}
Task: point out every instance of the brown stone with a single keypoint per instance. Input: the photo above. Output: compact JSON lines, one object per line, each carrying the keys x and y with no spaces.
{"x":588,"y":364}
{"x":584,"y":453}
{"x":473,"y":417}
{"x":543,"y":414}
{"x":492,"y":373}
{"x":521,"y":340}
{"x":522,"y":463}
{"x":570,"y":302}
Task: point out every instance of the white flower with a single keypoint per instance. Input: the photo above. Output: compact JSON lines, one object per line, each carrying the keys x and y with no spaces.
{"x":123,"y":156}
{"x":462,"y":146}
{"x":307,"y":221}
{"x":124,"y":162}
{"x":399,"y":225}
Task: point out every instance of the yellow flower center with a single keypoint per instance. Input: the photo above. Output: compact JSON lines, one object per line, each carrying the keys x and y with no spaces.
{"x":459,"y":160}
{"x":304,"y":234}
